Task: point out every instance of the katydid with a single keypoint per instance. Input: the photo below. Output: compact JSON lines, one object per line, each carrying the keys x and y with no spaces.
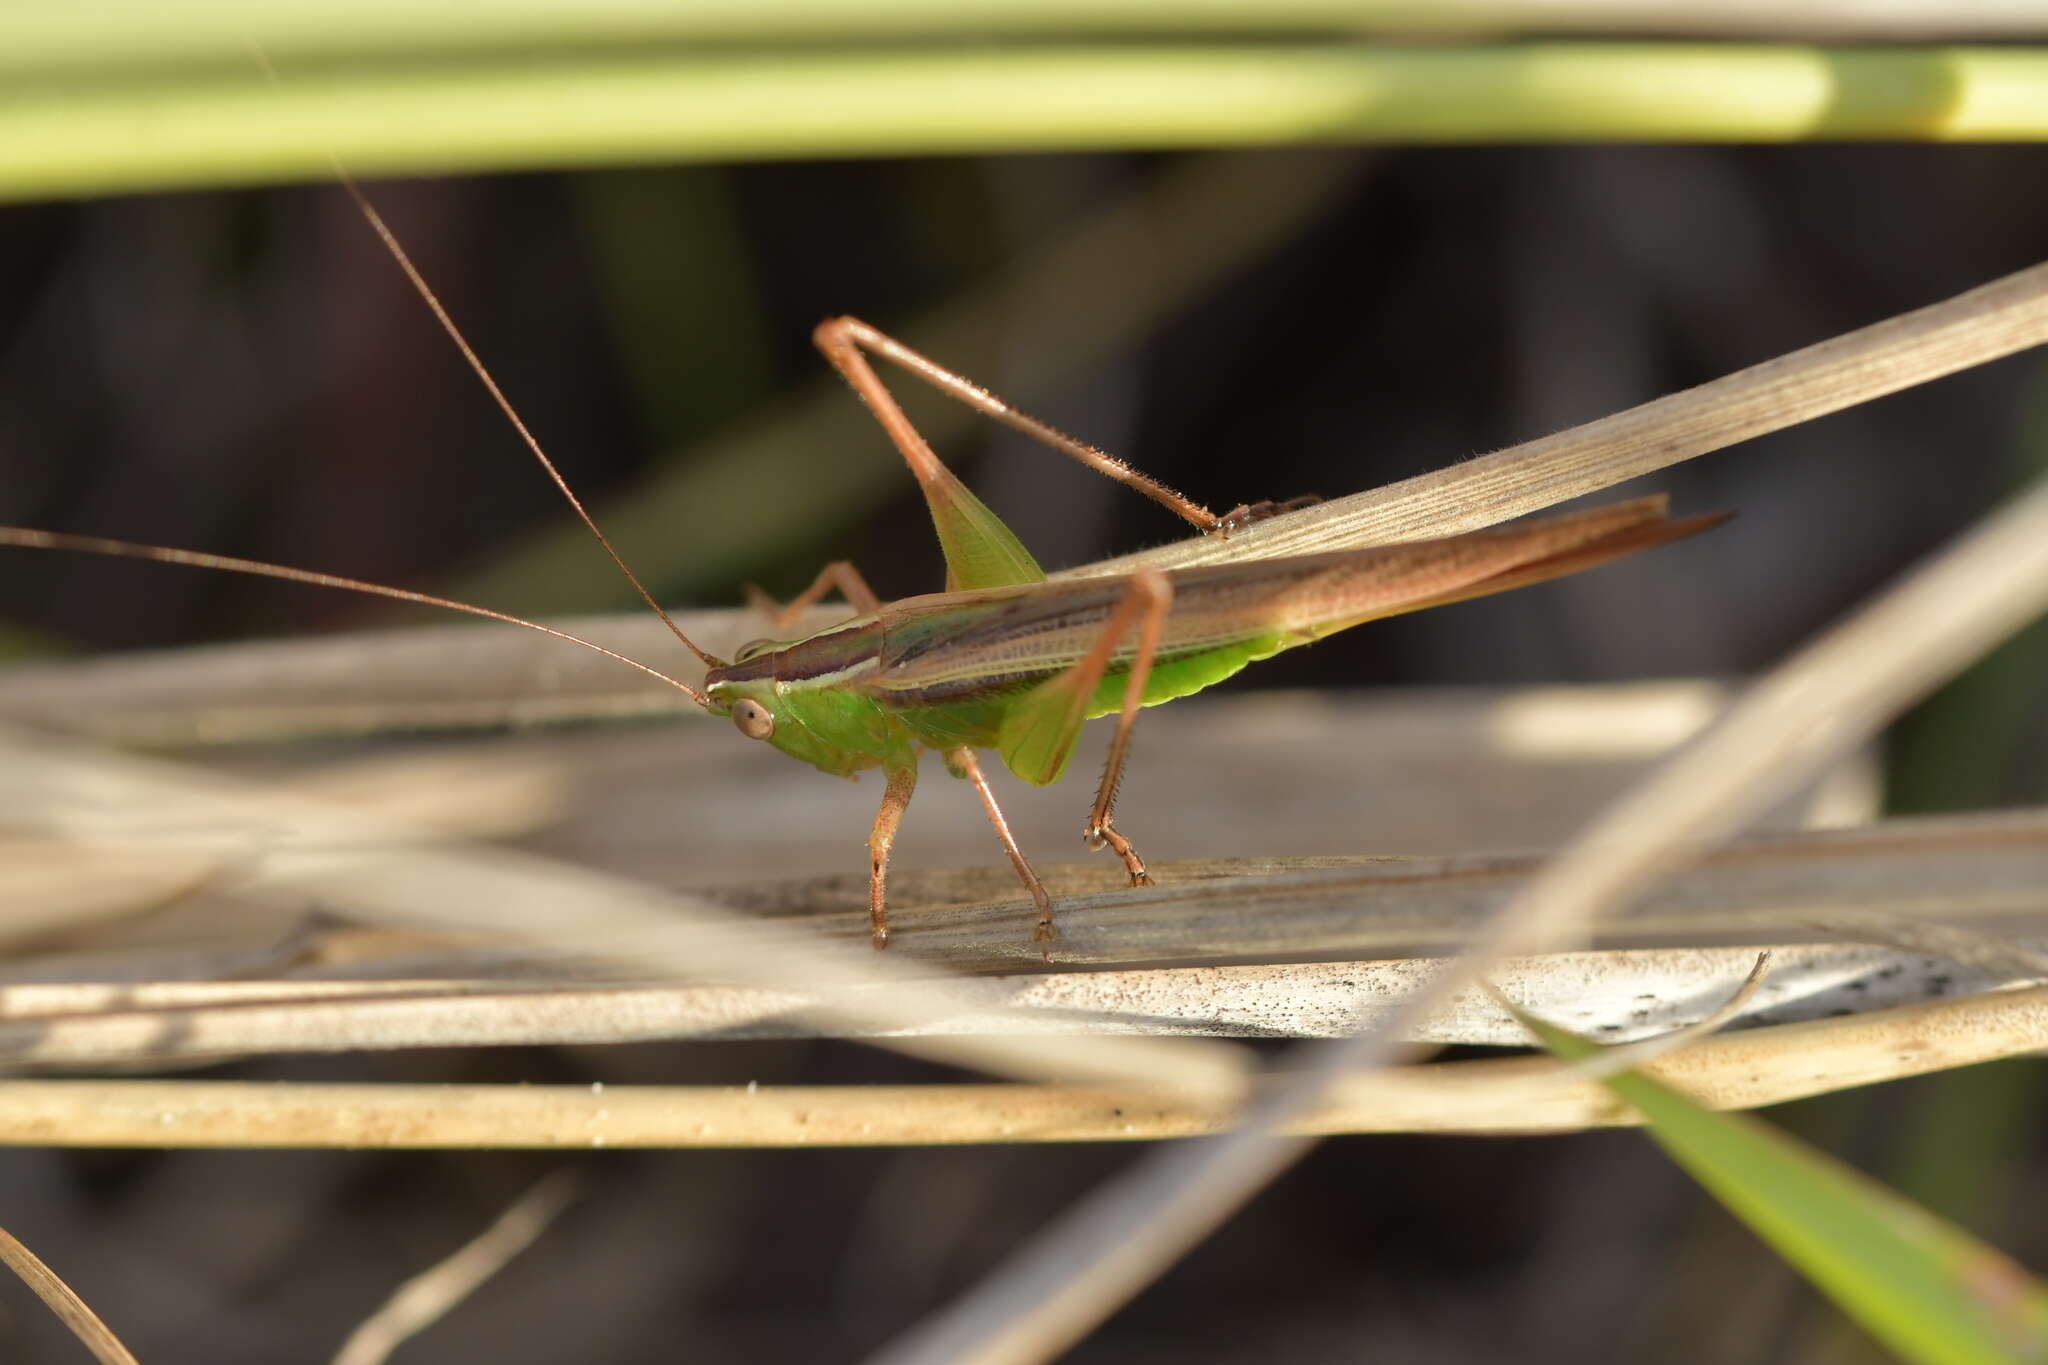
{"x":1003,"y":659}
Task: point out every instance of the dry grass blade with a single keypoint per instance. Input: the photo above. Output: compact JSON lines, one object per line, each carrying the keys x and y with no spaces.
{"x":427,"y":1297}
{"x":97,"y":1026}
{"x":1965,"y":947}
{"x":69,"y":1308}
{"x":399,"y":876}
{"x":1981,"y":872}
{"x":1624,"y":995}
{"x":428,"y":677}
{"x":1987,"y":868}
{"x":1990,"y":321}
{"x":1830,"y":696}
{"x":1522,"y":1094}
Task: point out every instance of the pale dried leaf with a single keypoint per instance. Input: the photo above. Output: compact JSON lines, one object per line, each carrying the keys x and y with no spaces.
{"x":428,"y":1297}
{"x":71,"y":1310}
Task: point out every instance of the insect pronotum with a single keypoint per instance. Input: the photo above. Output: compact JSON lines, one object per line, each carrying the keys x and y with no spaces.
{"x":1003,"y":659}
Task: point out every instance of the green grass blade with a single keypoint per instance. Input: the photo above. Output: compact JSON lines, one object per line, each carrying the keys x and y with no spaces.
{"x":39,"y":37}
{"x":120,"y":128}
{"x":1924,"y":1288}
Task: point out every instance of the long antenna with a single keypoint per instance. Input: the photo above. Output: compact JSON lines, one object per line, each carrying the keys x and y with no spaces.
{"x":30,"y":539}
{"x":476,"y":365}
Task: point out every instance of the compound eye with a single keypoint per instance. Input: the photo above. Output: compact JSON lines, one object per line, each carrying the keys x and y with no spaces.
{"x":750,"y":649}
{"x":755,"y":720}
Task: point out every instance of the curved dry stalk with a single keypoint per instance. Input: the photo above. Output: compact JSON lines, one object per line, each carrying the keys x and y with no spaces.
{"x":427,"y":1297}
{"x":71,"y":1310}
{"x":1518,"y":1095}
{"x":1988,"y":322}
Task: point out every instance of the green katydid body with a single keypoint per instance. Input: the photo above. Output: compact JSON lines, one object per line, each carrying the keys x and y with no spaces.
{"x":1004,"y":660}
{"x":989,"y":668}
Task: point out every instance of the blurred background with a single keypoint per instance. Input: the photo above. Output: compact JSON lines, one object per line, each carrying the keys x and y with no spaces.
{"x":246,"y":373}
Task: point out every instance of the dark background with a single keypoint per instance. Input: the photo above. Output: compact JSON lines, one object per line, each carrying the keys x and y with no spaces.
{"x":244,"y":373}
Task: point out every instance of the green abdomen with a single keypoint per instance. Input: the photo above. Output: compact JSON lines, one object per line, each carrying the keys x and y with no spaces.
{"x":1028,"y":719}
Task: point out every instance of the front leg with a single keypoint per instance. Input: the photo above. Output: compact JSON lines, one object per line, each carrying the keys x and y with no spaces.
{"x":902,"y":781}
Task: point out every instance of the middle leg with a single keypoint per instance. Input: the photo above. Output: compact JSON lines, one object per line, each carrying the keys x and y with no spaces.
{"x":963,"y":764}
{"x":902,"y":781}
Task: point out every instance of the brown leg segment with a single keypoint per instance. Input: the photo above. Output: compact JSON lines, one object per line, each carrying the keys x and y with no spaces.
{"x":1148,"y":596}
{"x":839,"y":574}
{"x":895,"y":800}
{"x":963,"y":763}
{"x":1150,"y":592}
{"x":844,"y":339}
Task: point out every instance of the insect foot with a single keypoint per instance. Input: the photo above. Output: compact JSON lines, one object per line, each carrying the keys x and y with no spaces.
{"x":1105,"y":835}
{"x":1245,"y":514}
